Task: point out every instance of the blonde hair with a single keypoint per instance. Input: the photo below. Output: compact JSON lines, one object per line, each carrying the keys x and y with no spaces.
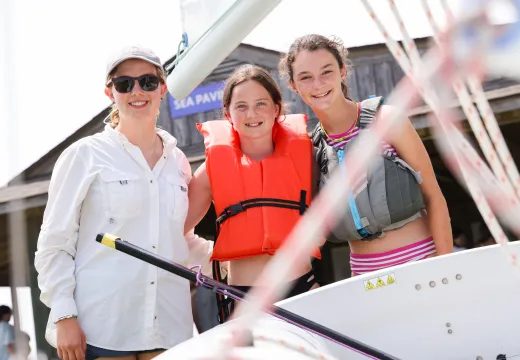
{"x":113,"y":117}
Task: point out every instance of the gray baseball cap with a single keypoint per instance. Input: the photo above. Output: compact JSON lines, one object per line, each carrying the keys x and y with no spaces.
{"x":132,"y":52}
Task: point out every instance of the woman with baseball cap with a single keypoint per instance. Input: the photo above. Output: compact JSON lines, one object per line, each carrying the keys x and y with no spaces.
{"x":130,"y":180}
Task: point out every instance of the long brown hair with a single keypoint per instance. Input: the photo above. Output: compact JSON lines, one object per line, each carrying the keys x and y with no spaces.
{"x":311,"y":43}
{"x":256,"y":73}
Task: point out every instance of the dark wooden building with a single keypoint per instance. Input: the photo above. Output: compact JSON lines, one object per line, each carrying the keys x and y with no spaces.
{"x":374,"y":73}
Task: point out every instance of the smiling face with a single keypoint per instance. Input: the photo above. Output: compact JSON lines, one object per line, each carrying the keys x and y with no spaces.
{"x":138,"y":104}
{"x":252,"y":110}
{"x":317,"y":77}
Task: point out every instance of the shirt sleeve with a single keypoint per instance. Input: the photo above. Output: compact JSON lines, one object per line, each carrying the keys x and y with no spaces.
{"x":54,"y":258}
{"x":10,"y":335}
{"x":8,"y":332}
{"x":200,"y":252}
{"x":200,"y":249}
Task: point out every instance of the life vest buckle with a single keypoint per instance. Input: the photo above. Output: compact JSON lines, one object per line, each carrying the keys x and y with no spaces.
{"x":234,"y":209}
{"x":371,"y":236}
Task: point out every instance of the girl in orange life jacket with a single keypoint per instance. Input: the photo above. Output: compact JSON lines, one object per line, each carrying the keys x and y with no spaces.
{"x":316,"y":68}
{"x":257,"y":154}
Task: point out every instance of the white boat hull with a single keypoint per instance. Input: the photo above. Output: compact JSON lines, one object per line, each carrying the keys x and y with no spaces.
{"x":458,"y":306}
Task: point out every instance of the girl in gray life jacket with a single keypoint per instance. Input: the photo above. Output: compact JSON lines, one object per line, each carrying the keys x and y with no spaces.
{"x":397,"y":213}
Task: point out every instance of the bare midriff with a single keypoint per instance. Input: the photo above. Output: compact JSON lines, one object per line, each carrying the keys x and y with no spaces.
{"x":245,"y":272}
{"x":412,"y":232}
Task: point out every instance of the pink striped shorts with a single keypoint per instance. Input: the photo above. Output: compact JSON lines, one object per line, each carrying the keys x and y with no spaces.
{"x":364,"y":263}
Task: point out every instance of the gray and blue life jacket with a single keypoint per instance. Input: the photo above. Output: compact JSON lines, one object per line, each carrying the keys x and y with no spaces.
{"x":387,"y":198}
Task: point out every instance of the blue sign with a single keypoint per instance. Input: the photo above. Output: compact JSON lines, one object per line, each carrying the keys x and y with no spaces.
{"x":204,"y":98}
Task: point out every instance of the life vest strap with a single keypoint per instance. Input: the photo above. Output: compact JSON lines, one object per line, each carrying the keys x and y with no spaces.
{"x":235,"y":209}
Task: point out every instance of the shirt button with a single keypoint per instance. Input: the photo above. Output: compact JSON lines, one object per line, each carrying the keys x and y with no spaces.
{"x":155,"y":317}
{"x":151,"y":181}
{"x":153,"y":246}
{"x":153,"y":282}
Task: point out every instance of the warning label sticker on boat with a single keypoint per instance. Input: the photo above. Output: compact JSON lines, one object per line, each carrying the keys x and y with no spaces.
{"x":380,"y":281}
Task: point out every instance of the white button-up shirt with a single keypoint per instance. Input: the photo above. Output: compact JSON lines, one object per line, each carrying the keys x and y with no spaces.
{"x":103,"y":184}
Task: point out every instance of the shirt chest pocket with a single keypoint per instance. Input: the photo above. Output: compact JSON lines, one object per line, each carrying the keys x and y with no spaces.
{"x":121,"y":194}
{"x":177,"y":200}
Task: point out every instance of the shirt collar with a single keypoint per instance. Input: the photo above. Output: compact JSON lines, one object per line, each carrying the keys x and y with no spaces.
{"x":169,"y":141}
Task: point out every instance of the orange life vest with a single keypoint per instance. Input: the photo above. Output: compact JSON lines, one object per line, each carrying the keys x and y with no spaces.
{"x":257,"y":203}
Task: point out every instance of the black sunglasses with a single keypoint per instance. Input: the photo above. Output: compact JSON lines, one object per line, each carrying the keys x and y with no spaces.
{"x":125,"y":84}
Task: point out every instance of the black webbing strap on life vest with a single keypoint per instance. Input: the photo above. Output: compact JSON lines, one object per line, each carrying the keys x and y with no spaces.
{"x":223,"y":303}
{"x":234,"y":209}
